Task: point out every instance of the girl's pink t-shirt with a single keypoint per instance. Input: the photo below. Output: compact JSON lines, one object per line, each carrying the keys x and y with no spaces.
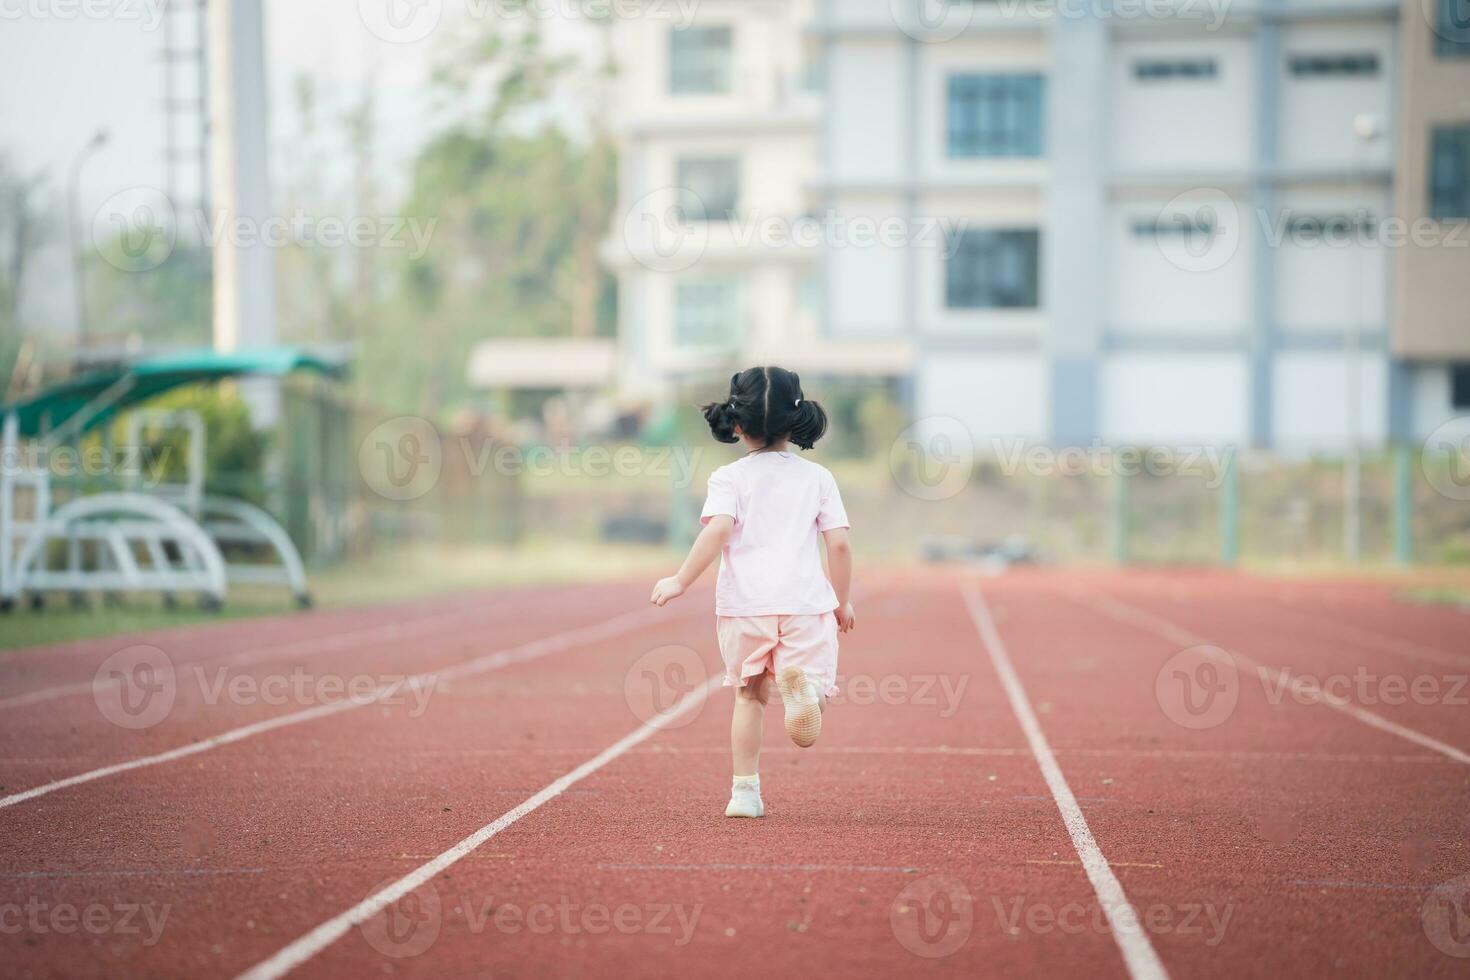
{"x":772,"y":564}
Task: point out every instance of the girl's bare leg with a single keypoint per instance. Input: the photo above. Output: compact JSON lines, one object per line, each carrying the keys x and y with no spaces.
{"x":747,"y":724}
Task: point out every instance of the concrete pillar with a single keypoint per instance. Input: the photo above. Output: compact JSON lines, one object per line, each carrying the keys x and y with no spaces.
{"x":244,"y":266}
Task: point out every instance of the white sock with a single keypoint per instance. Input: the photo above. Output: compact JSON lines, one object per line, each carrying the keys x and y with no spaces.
{"x":747,"y":782}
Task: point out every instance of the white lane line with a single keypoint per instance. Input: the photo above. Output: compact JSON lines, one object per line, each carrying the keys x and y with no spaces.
{"x":1306,"y":689}
{"x":492,"y":661}
{"x":1138,"y":952}
{"x":328,"y":932}
{"x":383,"y":633}
{"x":1374,"y":640}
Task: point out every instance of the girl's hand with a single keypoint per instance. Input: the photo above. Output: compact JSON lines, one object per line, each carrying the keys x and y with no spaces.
{"x":846,"y":618}
{"x":665,"y":589}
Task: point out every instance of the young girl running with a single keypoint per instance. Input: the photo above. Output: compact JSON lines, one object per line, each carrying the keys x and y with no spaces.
{"x":776,"y":614}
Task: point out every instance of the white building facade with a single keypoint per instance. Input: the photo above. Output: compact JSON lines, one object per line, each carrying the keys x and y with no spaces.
{"x":717,"y":253}
{"x":1155,"y":229}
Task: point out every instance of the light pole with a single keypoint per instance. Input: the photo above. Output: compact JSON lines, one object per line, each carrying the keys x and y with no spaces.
{"x":1367,"y":128}
{"x":73,"y":219}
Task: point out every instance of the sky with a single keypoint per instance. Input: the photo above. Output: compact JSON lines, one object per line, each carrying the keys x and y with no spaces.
{"x":69,"y":68}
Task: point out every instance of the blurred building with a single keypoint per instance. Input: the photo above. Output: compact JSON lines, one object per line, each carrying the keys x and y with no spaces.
{"x":1092,"y":221}
{"x":717,"y":249}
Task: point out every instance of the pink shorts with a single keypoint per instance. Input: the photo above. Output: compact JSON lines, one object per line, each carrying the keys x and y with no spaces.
{"x":755,"y":645}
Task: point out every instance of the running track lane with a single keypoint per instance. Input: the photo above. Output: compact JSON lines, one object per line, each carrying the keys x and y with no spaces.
{"x":182,"y":854}
{"x":72,"y":737}
{"x":257,"y":847}
{"x":1288,"y":837}
{"x":282,"y":815}
{"x":890,"y":799}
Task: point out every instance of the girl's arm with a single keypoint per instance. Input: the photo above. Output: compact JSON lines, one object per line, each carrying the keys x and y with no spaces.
{"x":707,"y":548}
{"x":839,"y":570}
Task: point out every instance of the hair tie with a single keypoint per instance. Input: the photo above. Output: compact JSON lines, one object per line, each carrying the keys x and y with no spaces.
{"x":798,"y":403}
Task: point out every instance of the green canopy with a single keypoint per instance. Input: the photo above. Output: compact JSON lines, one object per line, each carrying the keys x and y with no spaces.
{"x":89,"y":400}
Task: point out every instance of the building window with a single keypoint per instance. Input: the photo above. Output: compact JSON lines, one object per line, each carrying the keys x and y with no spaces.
{"x":707,"y":313}
{"x":1174,"y":224}
{"x":993,"y":270}
{"x":700,"y":61}
{"x":1459,"y":386}
{"x":1316,"y":65}
{"x":1452,"y":31}
{"x":1449,"y":173}
{"x":995,"y":115}
{"x":1181,"y":70}
{"x":1329,"y":227}
{"x":709,"y":190}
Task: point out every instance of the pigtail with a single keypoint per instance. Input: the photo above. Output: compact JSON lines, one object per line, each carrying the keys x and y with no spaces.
{"x":808,"y":424}
{"x":721,"y":419}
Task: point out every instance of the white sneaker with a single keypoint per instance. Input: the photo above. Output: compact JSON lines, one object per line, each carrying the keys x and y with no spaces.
{"x":803,"y":708}
{"x":745,"y":798}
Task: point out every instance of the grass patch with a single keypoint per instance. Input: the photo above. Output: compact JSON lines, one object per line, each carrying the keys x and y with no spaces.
{"x":412,"y":573}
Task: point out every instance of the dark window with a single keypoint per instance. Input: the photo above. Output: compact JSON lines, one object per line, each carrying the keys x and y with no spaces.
{"x":1174,"y":224}
{"x":1452,"y":29}
{"x":699,"y":61}
{"x":1460,"y":386}
{"x":709,"y":190}
{"x":995,"y":115}
{"x":1334,"y":64}
{"x":993,"y":270}
{"x":1330,"y":226}
{"x":1157,"y":71}
{"x":1449,"y":172}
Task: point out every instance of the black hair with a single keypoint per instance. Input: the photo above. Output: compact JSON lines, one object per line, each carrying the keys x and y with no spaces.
{"x":768,"y":405}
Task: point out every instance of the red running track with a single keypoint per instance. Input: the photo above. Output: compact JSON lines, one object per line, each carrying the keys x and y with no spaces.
{"x":1035,"y":774}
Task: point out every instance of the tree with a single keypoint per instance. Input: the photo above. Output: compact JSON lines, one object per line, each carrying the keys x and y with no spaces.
{"x":22,"y":233}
